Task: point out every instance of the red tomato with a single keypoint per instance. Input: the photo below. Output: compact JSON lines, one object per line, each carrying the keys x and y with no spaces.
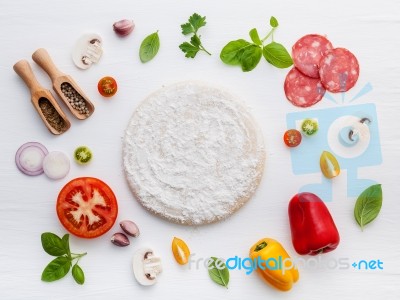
{"x":87,"y":207}
{"x":107,"y":86}
{"x":292,"y":138}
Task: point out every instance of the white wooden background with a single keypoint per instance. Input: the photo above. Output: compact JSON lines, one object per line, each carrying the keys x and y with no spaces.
{"x":27,"y":205}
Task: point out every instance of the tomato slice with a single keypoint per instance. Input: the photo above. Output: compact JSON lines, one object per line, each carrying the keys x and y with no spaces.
{"x":292,"y":138}
{"x":107,"y":86}
{"x":309,"y":127}
{"x":87,"y":207}
{"x":181,"y":251}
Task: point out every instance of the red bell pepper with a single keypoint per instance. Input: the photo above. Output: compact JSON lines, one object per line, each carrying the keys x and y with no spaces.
{"x":312,"y":226}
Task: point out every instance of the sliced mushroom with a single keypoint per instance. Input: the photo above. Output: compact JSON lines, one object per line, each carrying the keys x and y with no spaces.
{"x":87,"y":51}
{"x":146,"y":266}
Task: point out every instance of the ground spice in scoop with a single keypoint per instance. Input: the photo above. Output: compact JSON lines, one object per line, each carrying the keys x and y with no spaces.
{"x":52,"y":116}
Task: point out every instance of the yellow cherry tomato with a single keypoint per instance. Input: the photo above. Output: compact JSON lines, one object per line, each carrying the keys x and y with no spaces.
{"x":181,"y":251}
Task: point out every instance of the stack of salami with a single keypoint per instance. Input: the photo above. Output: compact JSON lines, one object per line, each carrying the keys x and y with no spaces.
{"x":318,"y":67}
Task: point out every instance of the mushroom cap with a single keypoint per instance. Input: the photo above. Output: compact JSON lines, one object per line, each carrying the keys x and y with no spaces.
{"x":84,"y":48}
{"x":143,"y":260}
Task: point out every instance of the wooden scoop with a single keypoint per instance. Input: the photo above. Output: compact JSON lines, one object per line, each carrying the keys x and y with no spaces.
{"x":53,"y":117}
{"x":42,"y":58}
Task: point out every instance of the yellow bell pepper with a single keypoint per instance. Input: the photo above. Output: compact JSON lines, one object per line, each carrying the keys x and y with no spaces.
{"x":274,"y":264}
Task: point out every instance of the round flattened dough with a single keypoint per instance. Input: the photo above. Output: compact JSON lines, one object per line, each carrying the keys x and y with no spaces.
{"x":192,"y":154}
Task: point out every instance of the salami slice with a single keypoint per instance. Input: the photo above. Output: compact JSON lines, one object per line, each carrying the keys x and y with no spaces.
{"x":339,"y":70}
{"x":302,"y":90}
{"x":307,"y":53}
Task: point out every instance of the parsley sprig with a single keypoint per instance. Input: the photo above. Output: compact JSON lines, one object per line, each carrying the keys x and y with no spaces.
{"x":195,"y":23}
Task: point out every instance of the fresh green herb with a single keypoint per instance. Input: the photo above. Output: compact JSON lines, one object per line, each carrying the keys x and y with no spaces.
{"x":255,"y":37}
{"x":277,"y":55}
{"x":218,"y":271}
{"x":149,"y":47}
{"x":194,"y":46}
{"x":60,"y":266}
{"x":368,"y":205}
{"x":53,"y":244}
{"x":233,"y":51}
{"x":273,"y":22}
{"x":56,"y":269}
{"x":78,"y":274}
{"x":251,"y":57}
{"x":248,"y":55}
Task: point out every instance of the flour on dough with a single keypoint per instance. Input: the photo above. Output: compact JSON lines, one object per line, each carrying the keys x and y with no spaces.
{"x":192,"y":153}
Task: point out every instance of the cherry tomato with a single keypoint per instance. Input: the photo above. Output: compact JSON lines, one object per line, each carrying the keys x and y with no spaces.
{"x":292,"y":138}
{"x":107,"y":86}
{"x":181,"y":251}
{"x":309,"y":127}
{"x":87,"y":207}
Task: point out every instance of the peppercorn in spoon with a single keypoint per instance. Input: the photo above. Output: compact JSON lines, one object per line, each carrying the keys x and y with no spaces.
{"x":43,"y":101}
{"x":65,"y":87}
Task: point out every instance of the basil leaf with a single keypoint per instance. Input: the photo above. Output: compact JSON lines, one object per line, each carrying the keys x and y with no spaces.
{"x":53,"y":244}
{"x":56,"y":269}
{"x":218,"y":271}
{"x":231,"y":54}
{"x":65,"y":240}
{"x":368,"y":205}
{"x":277,"y":55}
{"x":149,"y":47}
{"x":250,"y":58}
{"x":255,"y":37}
{"x":273,"y":22}
{"x":78,"y":274}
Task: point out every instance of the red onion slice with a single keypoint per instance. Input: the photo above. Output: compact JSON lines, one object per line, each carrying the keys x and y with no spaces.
{"x":29,"y":158}
{"x":56,"y":165}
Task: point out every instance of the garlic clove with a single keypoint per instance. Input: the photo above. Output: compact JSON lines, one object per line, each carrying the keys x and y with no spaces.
{"x":146,"y":266}
{"x":130,"y":228}
{"x":120,"y":239}
{"x":87,"y":50}
{"x":123,"y":27}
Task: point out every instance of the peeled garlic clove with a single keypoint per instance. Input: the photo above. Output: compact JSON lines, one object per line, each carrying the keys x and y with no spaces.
{"x":120,"y":239}
{"x":329,"y":165}
{"x":123,"y":27}
{"x":130,"y":228}
{"x":87,"y":50}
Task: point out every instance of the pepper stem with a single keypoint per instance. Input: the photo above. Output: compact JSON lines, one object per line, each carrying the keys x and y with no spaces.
{"x":261,"y":246}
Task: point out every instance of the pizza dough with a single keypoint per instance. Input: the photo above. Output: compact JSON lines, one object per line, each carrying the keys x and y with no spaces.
{"x":192,"y":154}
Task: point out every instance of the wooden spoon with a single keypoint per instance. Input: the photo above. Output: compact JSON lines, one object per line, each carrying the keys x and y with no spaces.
{"x":42,"y":58}
{"x":41,"y":97}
